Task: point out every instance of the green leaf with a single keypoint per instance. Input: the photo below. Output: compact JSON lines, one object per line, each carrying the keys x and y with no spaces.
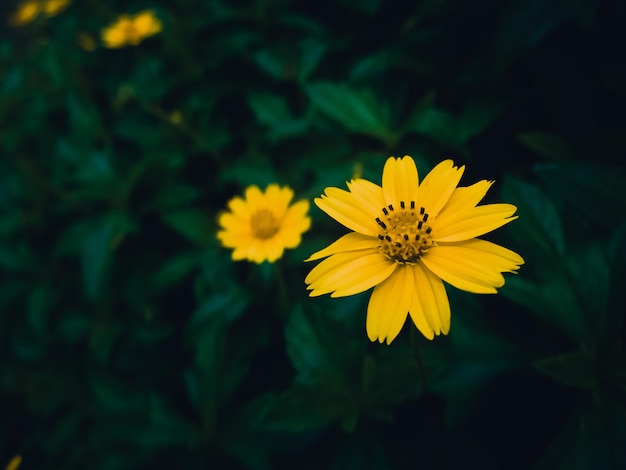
{"x":539,"y":222}
{"x":98,"y":249}
{"x":303,"y":408}
{"x":553,"y":300}
{"x":575,"y":369}
{"x":191,"y":223}
{"x":547,"y":145}
{"x":272,"y":111}
{"x":356,"y":110}
{"x":176,"y":269}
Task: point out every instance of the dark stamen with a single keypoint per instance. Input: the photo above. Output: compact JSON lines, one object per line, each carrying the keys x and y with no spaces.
{"x":425,"y":217}
{"x":380,"y":222}
{"x":406,"y":237}
{"x":419,"y":225}
{"x":399,"y":245}
{"x":390,"y":206}
{"x":380,"y":237}
{"x":429,"y":229}
{"x":412,"y":204}
{"x":388,"y":238}
{"x":385,"y":211}
{"x":422,"y":210}
{"x":402,"y":204}
{"x":417,"y":237}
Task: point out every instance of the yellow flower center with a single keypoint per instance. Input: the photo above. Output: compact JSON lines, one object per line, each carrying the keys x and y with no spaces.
{"x":264,"y":224}
{"x":405,"y":234}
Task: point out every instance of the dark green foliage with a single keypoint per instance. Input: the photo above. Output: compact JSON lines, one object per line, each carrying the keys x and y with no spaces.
{"x":130,"y":339}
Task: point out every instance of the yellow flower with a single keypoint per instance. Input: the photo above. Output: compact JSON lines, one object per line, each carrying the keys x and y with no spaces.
{"x":14,"y":463}
{"x":262,"y":225}
{"x":25,"y":13}
{"x":54,"y":7}
{"x":130,"y":30}
{"x":407,"y":238}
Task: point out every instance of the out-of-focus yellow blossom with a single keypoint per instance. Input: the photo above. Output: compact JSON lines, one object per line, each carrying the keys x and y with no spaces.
{"x":14,"y":463}
{"x":261,"y":225}
{"x":29,"y":10}
{"x":86,"y":42}
{"x":25,"y":13}
{"x":54,"y":7}
{"x":130,"y":30}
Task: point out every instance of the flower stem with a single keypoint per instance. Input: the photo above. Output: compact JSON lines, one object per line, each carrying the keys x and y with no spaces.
{"x":282,"y":288}
{"x":418,"y":359}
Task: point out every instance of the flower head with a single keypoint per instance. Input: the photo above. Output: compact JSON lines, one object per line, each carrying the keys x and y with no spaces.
{"x":29,"y":10}
{"x":408,"y":237}
{"x":262,"y":225}
{"x":130,"y":30}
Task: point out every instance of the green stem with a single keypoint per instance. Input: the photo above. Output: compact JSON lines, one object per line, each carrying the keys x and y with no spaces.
{"x":418,"y":359}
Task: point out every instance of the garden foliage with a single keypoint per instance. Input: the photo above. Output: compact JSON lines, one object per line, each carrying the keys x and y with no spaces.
{"x":129,"y":338}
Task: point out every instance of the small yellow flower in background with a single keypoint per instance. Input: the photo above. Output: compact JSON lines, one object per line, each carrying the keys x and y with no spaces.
{"x":28,"y":11}
{"x":408,"y":237}
{"x":25,"y":13}
{"x":262,"y":225}
{"x":130,"y":30}
{"x":14,"y":463}
{"x":54,"y":7}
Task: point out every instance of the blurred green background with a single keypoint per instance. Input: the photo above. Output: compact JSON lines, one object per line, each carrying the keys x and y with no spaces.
{"x":130,"y":340}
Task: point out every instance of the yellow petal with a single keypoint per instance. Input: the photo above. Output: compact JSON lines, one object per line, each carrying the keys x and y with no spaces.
{"x":438,"y":186}
{"x":370,"y":195}
{"x":389,"y":305}
{"x":473,"y":265}
{"x":474,"y":222}
{"x":430,"y":310}
{"x":278,"y":199}
{"x":350,"y":242}
{"x":465,"y":197}
{"x":239,"y":207}
{"x":341,"y":206}
{"x":354,"y":274}
{"x":400,"y":181}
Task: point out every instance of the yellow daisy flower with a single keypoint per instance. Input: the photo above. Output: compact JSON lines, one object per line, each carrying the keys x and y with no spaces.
{"x":408,"y":237}
{"x":130,"y":30}
{"x":262,"y":225}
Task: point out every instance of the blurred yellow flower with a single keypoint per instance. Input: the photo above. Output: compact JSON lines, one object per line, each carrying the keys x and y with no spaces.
{"x":26,"y":13}
{"x":262,"y":225}
{"x":130,"y":30}
{"x":54,"y":7}
{"x":29,"y":10}
{"x":14,"y":463}
{"x":408,"y":237}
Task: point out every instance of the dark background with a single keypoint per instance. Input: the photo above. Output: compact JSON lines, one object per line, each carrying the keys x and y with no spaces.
{"x":128,"y":337}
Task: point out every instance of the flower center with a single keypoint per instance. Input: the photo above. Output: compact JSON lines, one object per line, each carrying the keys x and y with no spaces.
{"x":405,"y":234}
{"x":264,"y":224}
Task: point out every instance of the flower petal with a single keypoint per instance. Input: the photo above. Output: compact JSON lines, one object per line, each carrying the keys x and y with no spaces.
{"x":463,"y":225}
{"x":347,"y":210}
{"x":473,"y":265}
{"x":349,"y":242}
{"x":430,"y":309}
{"x":349,"y":273}
{"x":389,"y":305}
{"x":438,"y":186}
{"x":400,"y":180}
{"x":370,"y":194}
{"x":465,"y":197}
